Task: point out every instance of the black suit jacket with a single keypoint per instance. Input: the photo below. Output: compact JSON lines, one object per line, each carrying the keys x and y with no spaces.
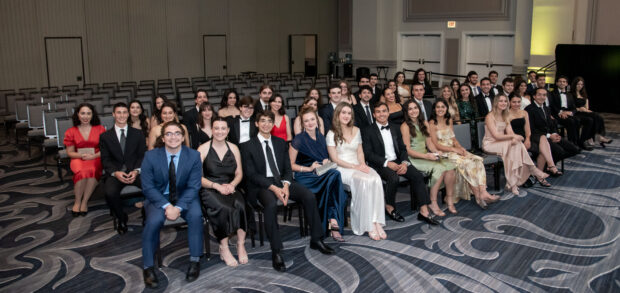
{"x":235,"y":129}
{"x":327,"y":113}
{"x":258,"y":107}
{"x":374,"y":149}
{"x":540,"y":124}
{"x":113,"y":158}
{"x":255,"y":165}
{"x":361,"y":120}
{"x":190,"y":117}
{"x":555,"y":103}
{"x":428,"y":108}
{"x":483,"y":110}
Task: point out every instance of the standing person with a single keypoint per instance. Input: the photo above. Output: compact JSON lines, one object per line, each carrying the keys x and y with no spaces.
{"x":564,"y":111}
{"x":375,"y":88}
{"x":363,"y":109}
{"x":404,"y":91}
{"x":344,"y":145}
{"x":499,"y":139}
{"x":225,"y":206}
{"x":282,"y":123}
{"x":122,"y":149}
{"x":137,"y":118}
{"x":271,"y":180}
{"x":168,"y":113}
{"x":531,"y":85}
{"x":308,"y":102}
{"x":417,"y":140}
{"x":578,"y":89}
{"x":308,"y":152}
{"x":420,"y":78}
{"x":201,"y":132}
{"x":82,"y":143}
{"x":327,"y":111}
{"x":470,"y":167}
{"x":508,"y":86}
{"x":169,"y":194}
{"x":264,"y":95}
{"x":455,"y":84}
{"x":495,"y":88}
{"x":228,"y":105}
{"x":242,"y":127}
{"x":190,"y":116}
{"x":387,"y":154}
{"x":425,"y":106}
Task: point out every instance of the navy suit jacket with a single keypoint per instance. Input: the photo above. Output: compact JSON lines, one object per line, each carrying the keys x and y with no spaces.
{"x":154,"y":175}
{"x":327,"y":113}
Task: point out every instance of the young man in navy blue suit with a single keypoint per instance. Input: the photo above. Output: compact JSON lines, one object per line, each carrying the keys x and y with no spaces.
{"x":178,"y":164}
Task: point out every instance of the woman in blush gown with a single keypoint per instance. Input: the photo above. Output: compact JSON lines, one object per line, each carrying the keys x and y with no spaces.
{"x":344,"y":145}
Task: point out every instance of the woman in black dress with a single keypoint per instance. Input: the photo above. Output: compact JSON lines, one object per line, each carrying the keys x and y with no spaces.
{"x":222,"y":172}
{"x":578,"y":88}
{"x":202,"y":131}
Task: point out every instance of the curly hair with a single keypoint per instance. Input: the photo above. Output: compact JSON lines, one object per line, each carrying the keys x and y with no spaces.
{"x":94,"y":120}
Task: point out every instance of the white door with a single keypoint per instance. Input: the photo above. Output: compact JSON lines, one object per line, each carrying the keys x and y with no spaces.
{"x":215,"y":58}
{"x":489,"y":52}
{"x":421,"y":51}
{"x":65,"y":63}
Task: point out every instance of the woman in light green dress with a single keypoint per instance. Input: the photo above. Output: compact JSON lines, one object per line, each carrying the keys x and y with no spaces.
{"x":417,"y":139}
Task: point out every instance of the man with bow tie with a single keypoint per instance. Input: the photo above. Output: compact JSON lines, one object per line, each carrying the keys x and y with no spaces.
{"x":484,"y":100}
{"x":242,"y":127}
{"x":563,"y":109}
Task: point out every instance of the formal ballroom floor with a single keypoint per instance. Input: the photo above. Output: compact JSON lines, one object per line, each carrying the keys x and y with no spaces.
{"x":559,"y":239}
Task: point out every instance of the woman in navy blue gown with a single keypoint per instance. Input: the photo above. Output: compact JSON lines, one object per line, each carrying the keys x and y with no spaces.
{"x":308,"y":151}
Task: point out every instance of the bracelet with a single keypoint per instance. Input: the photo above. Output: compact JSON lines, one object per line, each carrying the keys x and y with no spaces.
{"x":301,"y":169}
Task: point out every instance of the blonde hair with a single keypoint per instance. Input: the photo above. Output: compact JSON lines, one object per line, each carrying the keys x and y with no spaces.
{"x":504,"y":113}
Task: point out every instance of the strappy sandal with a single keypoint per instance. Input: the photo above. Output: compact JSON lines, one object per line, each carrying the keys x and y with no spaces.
{"x":543,"y":182}
{"x":553,"y":173}
{"x":333,"y":230}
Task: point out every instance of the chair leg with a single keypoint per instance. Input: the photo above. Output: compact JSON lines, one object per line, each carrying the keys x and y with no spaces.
{"x":29,"y":144}
{"x":251,"y":232}
{"x":497,"y":169}
{"x":261,"y":228}
{"x":300,"y":211}
{"x":59,"y":171}
{"x":207,"y":239}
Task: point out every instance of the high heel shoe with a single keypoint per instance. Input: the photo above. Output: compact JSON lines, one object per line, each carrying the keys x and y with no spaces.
{"x":333,"y":230}
{"x":553,"y":173}
{"x":75,"y":214}
{"x":450,"y":204}
{"x":543,"y":182}
{"x":481,"y":203}
{"x":436,"y":210}
{"x":429,"y":220}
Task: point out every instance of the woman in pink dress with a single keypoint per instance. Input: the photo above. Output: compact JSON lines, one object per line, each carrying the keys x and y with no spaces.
{"x":82,"y":143}
{"x":499,"y":139}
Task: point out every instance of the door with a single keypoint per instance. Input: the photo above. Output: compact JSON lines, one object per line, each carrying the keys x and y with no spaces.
{"x":302,"y":54}
{"x":65,"y":61}
{"x":421,"y":51}
{"x":215,"y":56}
{"x":489,"y":52}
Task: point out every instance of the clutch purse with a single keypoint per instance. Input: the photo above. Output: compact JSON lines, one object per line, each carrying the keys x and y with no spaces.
{"x":324,"y":168}
{"x":88,"y":151}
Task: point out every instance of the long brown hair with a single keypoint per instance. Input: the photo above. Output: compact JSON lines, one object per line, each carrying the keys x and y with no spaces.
{"x":419,"y":121}
{"x":337,"y":126}
{"x":573,"y":87}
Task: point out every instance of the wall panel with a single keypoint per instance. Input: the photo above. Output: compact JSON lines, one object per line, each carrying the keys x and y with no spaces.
{"x":147,"y":39}
{"x":184,"y":39}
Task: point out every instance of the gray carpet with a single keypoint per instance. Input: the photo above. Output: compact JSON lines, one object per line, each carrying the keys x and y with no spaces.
{"x":558,"y":239}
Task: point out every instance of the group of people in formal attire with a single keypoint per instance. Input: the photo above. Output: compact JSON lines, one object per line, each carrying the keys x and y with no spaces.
{"x":251,"y":155}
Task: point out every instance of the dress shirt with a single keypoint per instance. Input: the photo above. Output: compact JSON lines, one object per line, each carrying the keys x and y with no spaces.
{"x":176,"y":167}
{"x":487,"y":99}
{"x":388,"y":143}
{"x":262,"y":140}
{"x":244,"y":129}
{"x":333,"y":105}
{"x":474,"y":90}
{"x":421,"y":106}
{"x":564,"y":102}
{"x":118,"y":131}
{"x":263,"y":105}
{"x":544,"y":113}
{"x":367,"y":110}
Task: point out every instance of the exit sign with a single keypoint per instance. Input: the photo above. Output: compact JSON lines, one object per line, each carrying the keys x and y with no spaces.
{"x":451,"y":24}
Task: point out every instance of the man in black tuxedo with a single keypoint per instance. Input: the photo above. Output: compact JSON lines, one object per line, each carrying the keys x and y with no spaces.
{"x":122,"y":149}
{"x":264,"y":95}
{"x":484,"y":100}
{"x":327,"y":111}
{"x":563,"y":110}
{"x":363,"y":109}
{"x":242,"y":127}
{"x":542,"y":123}
{"x":269,"y":179}
{"x":541,"y":82}
{"x":426,"y":107}
{"x":508,"y":86}
{"x":531,"y":85}
{"x":495,"y":88}
{"x":190,"y":117}
{"x":364,"y":80}
{"x":376,"y":89}
{"x":387,"y":154}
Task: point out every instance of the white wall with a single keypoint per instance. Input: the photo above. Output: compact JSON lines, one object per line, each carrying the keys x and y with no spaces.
{"x":153,"y":39}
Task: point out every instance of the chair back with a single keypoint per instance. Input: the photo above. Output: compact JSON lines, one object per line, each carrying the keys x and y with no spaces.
{"x":62,"y":125}
{"x":462,"y":132}
{"x":107,"y":121}
{"x":480,"y":128}
{"x":35,"y":115}
{"x":49,"y":122}
{"x":21,"y":109}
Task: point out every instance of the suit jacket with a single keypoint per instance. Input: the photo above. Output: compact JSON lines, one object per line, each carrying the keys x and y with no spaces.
{"x":555,"y":103}
{"x":155,"y":178}
{"x":327,"y":113}
{"x":531,"y":89}
{"x":483,"y":110}
{"x":258,"y":107}
{"x":499,"y":89}
{"x":190,"y":117}
{"x":361,"y":120}
{"x":235,"y":129}
{"x":540,"y":124}
{"x":374,"y":149}
{"x":113,"y":158}
{"x":254,"y":163}
{"x":428,"y":108}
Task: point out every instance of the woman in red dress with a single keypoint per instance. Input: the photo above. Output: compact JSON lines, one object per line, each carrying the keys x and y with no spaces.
{"x":82,"y":143}
{"x":282,"y":123}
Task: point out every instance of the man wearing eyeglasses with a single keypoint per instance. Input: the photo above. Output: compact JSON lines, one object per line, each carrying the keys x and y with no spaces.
{"x":171,"y":178}
{"x":242,"y":127}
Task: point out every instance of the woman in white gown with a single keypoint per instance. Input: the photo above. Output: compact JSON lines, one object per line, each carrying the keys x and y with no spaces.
{"x":344,"y":145}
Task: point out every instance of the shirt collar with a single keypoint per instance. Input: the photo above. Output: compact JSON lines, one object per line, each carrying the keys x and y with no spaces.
{"x":178,"y":154}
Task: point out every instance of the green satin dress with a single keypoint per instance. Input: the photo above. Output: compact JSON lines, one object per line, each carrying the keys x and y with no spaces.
{"x":434,"y":168}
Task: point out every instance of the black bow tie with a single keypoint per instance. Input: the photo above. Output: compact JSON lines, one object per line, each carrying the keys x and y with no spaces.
{"x":562,"y":93}
{"x":385,"y":127}
{"x":486,"y":97}
{"x":245,"y":120}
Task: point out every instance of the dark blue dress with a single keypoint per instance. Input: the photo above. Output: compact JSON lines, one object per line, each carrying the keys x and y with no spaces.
{"x":331,"y":198}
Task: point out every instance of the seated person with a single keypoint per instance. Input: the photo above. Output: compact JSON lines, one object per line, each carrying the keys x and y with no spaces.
{"x":168,"y":113}
{"x":308,"y":102}
{"x":137,"y":119}
{"x":201,"y":132}
{"x":282,"y":123}
{"x":563,"y":110}
{"x":242,"y":127}
{"x":578,"y":89}
{"x":228,"y":105}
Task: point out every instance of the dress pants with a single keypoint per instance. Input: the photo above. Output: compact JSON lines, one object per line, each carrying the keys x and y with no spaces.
{"x":417,"y":187}
{"x":563,"y":149}
{"x":113,"y":197}
{"x":155,"y":217}
{"x":299,"y":194}
{"x":571,"y":124}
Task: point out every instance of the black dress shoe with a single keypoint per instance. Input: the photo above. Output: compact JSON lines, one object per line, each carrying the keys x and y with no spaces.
{"x":75,"y":214}
{"x":278,"y":262}
{"x":193,"y":271}
{"x":586,"y":147}
{"x":429,"y":220}
{"x":395,"y":216}
{"x":322,"y":247}
{"x":150,"y":278}
{"x":83,"y":214}
{"x":122,"y":228}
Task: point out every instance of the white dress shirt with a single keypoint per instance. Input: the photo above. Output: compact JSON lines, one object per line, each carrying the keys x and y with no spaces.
{"x":244,"y":129}
{"x":421,"y":106}
{"x":564,"y":102}
{"x":118,"y":131}
{"x":487,"y":99}
{"x":262,"y":140}
{"x":388,"y":143}
{"x":263,"y":105}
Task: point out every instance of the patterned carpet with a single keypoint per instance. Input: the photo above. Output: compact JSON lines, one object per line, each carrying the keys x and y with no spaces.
{"x":559,"y":239}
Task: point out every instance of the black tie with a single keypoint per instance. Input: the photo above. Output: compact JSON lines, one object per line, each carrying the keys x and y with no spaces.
{"x":123,"y":140}
{"x":272,"y":162}
{"x":245,"y":120}
{"x":172,"y":182}
{"x":385,"y":127}
{"x":368,"y":114}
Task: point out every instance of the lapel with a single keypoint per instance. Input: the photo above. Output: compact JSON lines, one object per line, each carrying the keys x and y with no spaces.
{"x":163,"y":164}
{"x":116,"y":145}
{"x":260,"y":155}
{"x":394,"y":133}
{"x":377,"y":132}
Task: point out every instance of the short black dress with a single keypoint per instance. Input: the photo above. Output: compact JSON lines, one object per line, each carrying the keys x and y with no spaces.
{"x":518,"y":127}
{"x":225,"y":212}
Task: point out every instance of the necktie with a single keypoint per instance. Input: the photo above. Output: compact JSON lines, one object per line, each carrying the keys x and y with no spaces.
{"x":385,"y":127}
{"x":421,"y":105}
{"x":544,"y":113}
{"x":172,"y":182}
{"x":368,"y":114}
{"x":272,"y":162}
{"x":245,"y":120}
{"x":123,"y":140}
